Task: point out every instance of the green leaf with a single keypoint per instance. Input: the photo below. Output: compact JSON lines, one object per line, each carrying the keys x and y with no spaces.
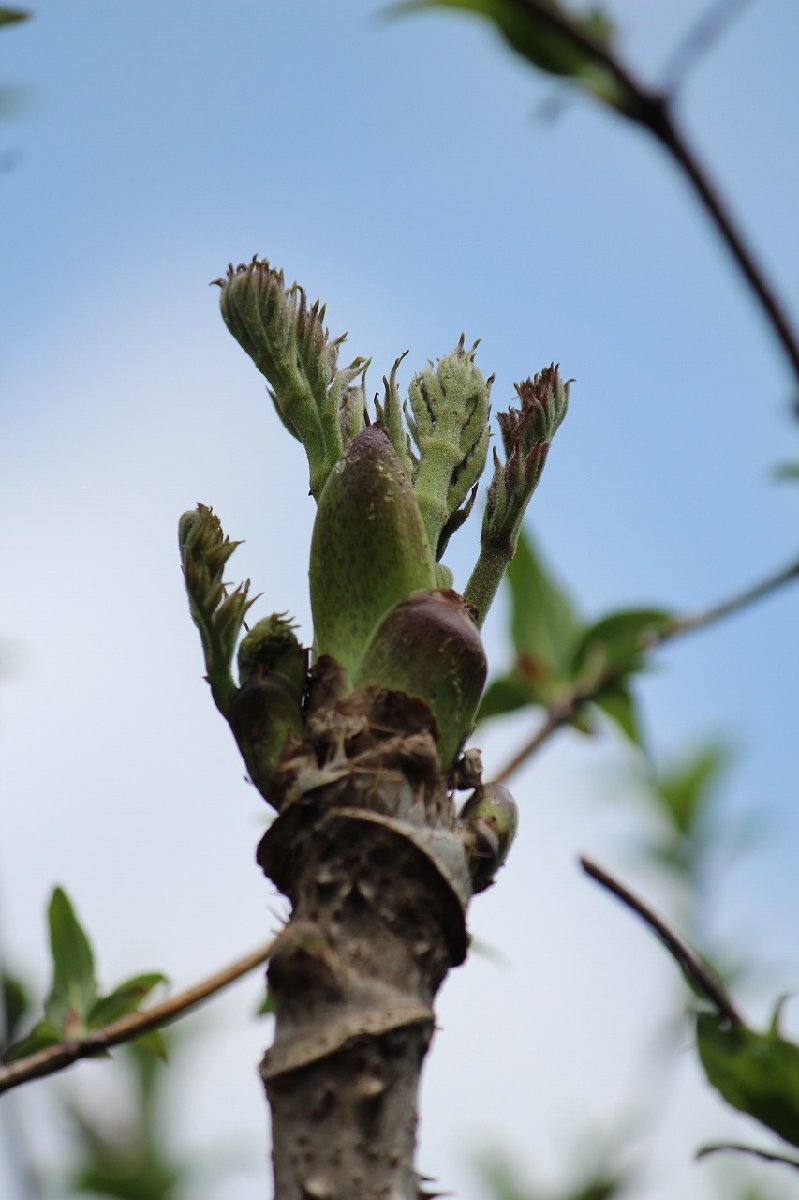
{"x":125,"y":998}
{"x":685,"y":792}
{"x":16,"y":1004}
{"x":11,"y":16}
{"x":267,"y":1006}
{"x":787,"y":472}
{"x":543,"y":45}
{"x":74,"y":989}
{"x":544,"y":626}
{"x":617,"y":642}
{"x":618,"y":703}
{"x":506,"y":694}
{"x":45,"y":1033}
{"x":757,"y":1073}
{"x":153,"y":1042}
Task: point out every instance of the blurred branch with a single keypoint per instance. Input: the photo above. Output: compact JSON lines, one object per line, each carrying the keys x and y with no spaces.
{"x":562,"y":710}
{"x":651,"y":108}
{"x":126,"y":1029}
{"x":754,"y":1151}
{"x":698,"y":40}
{"x":701,"y":976}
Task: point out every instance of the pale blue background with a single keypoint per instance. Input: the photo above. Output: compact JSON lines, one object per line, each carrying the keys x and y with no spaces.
{"x":408,"y":175}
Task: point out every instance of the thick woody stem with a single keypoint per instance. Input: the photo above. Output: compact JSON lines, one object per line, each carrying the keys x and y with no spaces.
{"x":367,"y":849}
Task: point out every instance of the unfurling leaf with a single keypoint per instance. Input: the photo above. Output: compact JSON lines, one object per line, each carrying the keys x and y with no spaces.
{"x":74,"y":988}
{"x":450,"y":408}
{"x":527,"y":434}
{"x":217,"y":612}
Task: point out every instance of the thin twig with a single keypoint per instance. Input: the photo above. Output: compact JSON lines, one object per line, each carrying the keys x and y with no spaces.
{"x":766,"y":1155}
{"x":698,"y":40}
{"x":56,"y":1058}
{"x":569,"y":704}
{"x":692,"y":965}
{"x":650,"y":108}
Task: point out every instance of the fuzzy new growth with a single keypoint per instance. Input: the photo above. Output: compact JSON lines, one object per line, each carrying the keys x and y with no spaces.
{"x":527,"y":434}
{"x":319,"y":403}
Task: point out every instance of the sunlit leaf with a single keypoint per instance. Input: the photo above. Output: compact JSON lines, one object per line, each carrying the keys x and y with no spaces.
{"x":757,"y":1073}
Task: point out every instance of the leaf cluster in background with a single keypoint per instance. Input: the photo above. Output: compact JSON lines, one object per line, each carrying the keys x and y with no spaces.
{"x":596,"y":1180}
{"x":558,"y":654}
{"x":75,"y":1006}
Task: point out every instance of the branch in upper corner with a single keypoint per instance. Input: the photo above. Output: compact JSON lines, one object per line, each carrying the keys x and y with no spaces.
{"x":126,"y":1029}
{"x":700,"y":975}
{"x":562,"y":711}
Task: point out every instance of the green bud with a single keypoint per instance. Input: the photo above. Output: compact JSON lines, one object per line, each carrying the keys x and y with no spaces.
{"x":489,"y":820}
{"x":217,"y":612}
{"x":450,"y":407}
{"x":288,"y":342}
{"x":272,"y":646}
{"x":368,"y":548}
{"x":428,"y":646}
{"x":267,"y":709}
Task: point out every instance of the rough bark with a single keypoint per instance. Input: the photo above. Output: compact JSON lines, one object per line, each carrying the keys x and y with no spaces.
{"x":368,"y":850}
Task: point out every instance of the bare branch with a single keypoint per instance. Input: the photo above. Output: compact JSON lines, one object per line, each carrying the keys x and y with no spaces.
{"x":569,"y":704}
{"x":126,"y":1029}
{"x":690,"y":962}
{"x":754,"y":1151}
{"x":651,"y":109}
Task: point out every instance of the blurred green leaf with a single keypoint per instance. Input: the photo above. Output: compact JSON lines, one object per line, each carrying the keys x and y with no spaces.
{"x":125,"y":998}
{"x":74,"y":989}
{"x":45,"y":1033}
{"x":686,"y":791}
{"x":544,"y":46}
{"x":618,"y":703}
{"x":506,"y":694}
{"x":544,"y":626}
{"x":757,"y":1073}
{"x":11,"y":16}
{"x":153,"y":1043}
{"x":16,"y":1004}
{"x":266,"y":1007}
{"x":618,"y":642}
{"x":787,"y":472}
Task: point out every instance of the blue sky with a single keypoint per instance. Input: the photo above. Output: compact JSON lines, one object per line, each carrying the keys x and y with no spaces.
{"x":406,"y":173}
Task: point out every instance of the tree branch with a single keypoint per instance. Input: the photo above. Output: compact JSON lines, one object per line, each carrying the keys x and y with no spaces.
{"x":651,"y":108}
{"x":569,"y":704}
{"x":755,"y":1151}
{"x":126,"y":1029}
{"x":689,"y":961}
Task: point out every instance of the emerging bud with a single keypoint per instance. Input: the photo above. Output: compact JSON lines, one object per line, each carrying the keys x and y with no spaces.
{"x":267,"y":709}
{"x":450,"y":406}
{"x":272,"y":646}
{"x":527,"y":434}
{"x":288,"y":342}
{"x":428,"y":646}
{"x":217,"y":612}
{"x":489,"y":820}
{"x":368,"y":549}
